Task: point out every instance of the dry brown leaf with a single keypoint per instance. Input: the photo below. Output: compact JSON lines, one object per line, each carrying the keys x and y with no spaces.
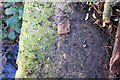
{"x":63,"y":27}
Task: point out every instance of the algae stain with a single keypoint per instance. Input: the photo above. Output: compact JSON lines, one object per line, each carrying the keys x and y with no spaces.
{"x":29,"y":42}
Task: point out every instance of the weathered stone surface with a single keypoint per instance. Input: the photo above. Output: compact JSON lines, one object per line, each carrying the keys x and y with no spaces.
{"x":79,"y":53}
{"x":38,"y":34}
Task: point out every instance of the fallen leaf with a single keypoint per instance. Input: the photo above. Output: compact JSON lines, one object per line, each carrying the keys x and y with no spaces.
{"x":63,"y":27}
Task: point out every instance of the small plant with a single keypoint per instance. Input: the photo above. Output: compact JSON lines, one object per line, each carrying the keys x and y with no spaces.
{"x":12,"y":20}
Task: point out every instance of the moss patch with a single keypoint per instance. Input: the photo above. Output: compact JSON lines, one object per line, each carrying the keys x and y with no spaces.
{"x":37,"y":36}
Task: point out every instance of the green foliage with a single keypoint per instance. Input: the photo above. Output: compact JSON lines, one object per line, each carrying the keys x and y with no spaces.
{"x":110,"y":26}
{"x":8,"y":4}
{"x":17,"y":29}
{"x":12,"y":20}
{"x":10,"y":10}
{"x":11,"y":35}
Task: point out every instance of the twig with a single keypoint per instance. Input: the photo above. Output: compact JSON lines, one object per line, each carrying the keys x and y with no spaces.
{"x":96,"y":10}
{"x":107,"y":11}
{"x":5,"y":53}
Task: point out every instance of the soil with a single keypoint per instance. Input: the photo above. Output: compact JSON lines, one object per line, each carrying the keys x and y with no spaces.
{"x":82,"y":53}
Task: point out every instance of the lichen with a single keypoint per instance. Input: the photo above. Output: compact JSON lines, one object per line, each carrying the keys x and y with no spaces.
{"x":37,"y":36}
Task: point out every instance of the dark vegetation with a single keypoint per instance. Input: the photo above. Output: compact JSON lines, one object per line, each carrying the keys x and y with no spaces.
{"x":11,"y":28}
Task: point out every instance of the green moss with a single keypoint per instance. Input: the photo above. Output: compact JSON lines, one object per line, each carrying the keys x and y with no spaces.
{"x":36,"y":37}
